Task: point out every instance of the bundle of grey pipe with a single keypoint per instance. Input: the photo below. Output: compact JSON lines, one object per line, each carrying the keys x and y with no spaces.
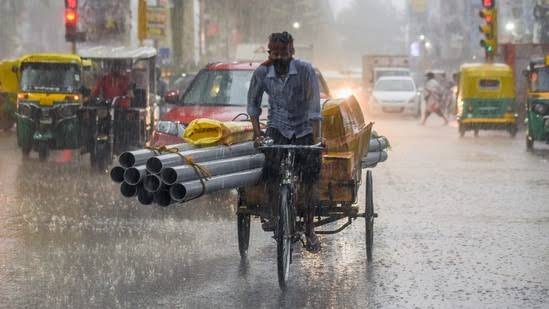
{"x":180,"y":173}
{"x":377,"y":152}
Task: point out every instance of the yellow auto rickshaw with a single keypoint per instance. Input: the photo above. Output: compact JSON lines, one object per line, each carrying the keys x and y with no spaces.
{"x":537,"y":102}
{"x":9,"y":86}
{"x":486,"y":99}
{"x":48,"y":102}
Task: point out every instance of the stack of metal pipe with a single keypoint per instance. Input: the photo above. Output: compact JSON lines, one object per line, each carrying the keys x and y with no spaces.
{"x":182,"y":172}
{"x":377,"y":151}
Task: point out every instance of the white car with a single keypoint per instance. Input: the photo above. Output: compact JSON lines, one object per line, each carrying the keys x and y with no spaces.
{"x":395,"y":94}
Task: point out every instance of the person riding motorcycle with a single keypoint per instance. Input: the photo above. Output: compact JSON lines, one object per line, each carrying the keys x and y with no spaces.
{"x":113,"y":85}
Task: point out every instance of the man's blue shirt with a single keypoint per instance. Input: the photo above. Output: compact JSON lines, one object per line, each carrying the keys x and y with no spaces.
{"x":293,"y":102}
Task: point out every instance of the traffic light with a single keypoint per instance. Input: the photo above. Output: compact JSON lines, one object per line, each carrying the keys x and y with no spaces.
{"x":489,"y":4}
{"x":71,"y":20}
{"x":489,"y":28}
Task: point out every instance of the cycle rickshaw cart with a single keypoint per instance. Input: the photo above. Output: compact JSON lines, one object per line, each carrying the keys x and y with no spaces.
{"x":112,"y":127}
{"x":347,"y":139}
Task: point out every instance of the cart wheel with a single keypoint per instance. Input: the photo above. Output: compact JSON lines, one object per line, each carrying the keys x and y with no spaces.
{"x":283,"y":238}
{"x":243,"y":222}
{"x":369,"y":218}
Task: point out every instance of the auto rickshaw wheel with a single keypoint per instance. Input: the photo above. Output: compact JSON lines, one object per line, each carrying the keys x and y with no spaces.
{"x":43,"y":152}
{"x":369,"y":216}
{"x":461,"y":129}
{"x":243,"y":224}
{"x":513,"y":131}
{"x":529,"y":142}
{"x":26,"y":152}
{"x":99,"y":157}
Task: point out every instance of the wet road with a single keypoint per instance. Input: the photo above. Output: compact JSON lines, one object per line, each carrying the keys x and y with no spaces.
{"x":462,"y":223}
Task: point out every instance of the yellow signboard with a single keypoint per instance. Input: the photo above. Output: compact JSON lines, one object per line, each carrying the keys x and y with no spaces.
{"x":157,"y":22}
{"x":152,"y":20}
{"x":419,"y":6}
{"x":142,"y":20}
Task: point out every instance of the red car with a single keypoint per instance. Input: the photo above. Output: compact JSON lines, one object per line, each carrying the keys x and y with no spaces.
{"x":220,"y":92}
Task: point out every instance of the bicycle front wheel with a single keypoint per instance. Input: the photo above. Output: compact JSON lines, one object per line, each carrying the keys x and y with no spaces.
{"x":284,"y":237}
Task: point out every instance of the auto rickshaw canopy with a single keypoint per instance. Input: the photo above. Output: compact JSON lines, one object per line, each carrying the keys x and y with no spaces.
{"x":51,"y":58}
{"x":118,"y":53}
{"x":488,"y":81}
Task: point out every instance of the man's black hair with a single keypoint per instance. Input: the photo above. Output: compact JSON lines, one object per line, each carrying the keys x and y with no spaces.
{"x":281,"y":37}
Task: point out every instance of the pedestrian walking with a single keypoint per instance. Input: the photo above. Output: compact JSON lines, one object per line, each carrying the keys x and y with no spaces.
{"x":433,"y":95}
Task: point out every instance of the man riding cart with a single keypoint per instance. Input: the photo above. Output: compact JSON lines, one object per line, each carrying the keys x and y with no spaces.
{"x":119,"y":112}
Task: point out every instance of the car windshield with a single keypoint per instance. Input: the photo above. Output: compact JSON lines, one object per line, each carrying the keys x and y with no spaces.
{"x":50,"y":77}
{"x":219,"y":88}
{"x":539,"y":81}
{"x":395,"y":85}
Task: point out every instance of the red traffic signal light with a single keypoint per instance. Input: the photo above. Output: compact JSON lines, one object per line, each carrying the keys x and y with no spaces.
{"x":71,"y":17}
{"x":487,"y":15}
{"x":489,"y":4}
{"x":71,"y":4}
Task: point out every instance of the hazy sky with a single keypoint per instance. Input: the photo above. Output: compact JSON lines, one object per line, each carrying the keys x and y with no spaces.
{"x":338,"y":5}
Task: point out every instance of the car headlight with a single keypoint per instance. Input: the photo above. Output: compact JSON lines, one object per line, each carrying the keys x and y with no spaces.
{"x":343,"y":93}
{"x":541,"y":108}
{"x":170,"y":128}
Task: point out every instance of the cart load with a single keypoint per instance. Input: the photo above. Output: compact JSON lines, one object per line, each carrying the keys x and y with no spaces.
{"x":208,"y":132}
{"x":182,"y":172}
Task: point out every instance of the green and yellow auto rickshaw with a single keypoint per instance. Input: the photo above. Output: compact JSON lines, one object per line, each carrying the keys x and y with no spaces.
{"x":48,"y":102}
{"x":486,"y":99}
{"x":537,"y":105}
{"x":9,"y":87}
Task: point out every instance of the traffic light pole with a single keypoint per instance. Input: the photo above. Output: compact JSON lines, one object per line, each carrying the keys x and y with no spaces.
{"x":73,"y":47}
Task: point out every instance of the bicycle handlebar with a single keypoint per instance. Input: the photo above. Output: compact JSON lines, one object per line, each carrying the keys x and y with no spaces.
{"x":294,"y":147}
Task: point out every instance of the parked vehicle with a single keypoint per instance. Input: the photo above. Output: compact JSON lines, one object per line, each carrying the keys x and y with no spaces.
{"x":486,"y":99}
{"x":377,"y":66}
{"x":395,"y":94}
{"x":48,"y":102}
{"x":537,"y":105}
{"x":219,"y":92}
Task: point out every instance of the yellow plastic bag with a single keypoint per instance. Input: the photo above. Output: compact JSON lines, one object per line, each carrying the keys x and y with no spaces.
{"x":209,"y":132}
